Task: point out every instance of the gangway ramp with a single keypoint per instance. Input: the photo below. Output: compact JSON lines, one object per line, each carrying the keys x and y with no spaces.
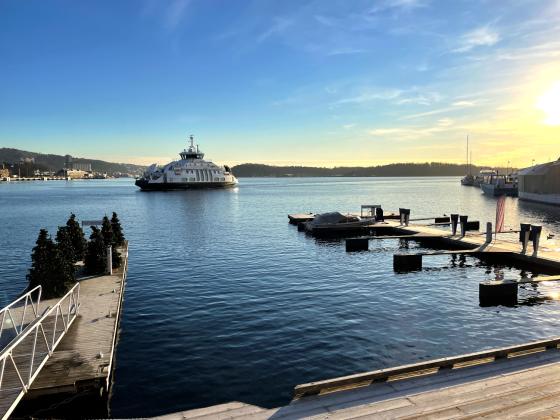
{"x":34,"y":342}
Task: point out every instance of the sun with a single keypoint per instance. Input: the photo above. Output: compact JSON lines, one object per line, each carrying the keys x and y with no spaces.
{"x":549,"y":103}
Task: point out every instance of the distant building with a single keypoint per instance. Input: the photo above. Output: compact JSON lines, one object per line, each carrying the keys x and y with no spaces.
{"x":75,"y":166}
{"x":4,"y":173}
{"x":540,"y":183}
{"x":75,"y":174}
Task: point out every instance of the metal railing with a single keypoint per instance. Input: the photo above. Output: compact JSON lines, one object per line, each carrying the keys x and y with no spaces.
{"x":22,"y":360}
{"x":13,"y":317}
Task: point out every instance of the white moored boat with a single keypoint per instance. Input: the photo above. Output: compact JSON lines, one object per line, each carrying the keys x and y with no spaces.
{"x":190,"y":172}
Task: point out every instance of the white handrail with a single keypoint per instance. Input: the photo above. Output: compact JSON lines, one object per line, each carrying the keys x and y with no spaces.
{"x":7,"y":315}
{"x":40,"y":333}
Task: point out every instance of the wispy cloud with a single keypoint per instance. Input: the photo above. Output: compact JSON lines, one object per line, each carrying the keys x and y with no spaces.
{"x":175,"y":13}
{"x":278,"y":27}
{"x":483,"y":36}
{"x":398,"y":4}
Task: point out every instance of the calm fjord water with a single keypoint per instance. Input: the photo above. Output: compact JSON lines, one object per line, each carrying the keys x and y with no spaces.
{"x":225,"y":301}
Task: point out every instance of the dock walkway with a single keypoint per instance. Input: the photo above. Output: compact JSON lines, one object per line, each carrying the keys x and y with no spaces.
{"x":84,"y":358}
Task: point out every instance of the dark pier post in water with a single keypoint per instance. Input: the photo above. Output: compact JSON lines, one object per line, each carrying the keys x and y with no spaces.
{"x":498,"y":293}
{"x":454,"y":222}
{"x":407,"y":262}
{"x":488,"y":232}
{"x":357,"y":244}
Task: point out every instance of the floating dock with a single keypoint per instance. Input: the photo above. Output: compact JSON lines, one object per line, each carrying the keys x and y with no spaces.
{"x":82,"y":362}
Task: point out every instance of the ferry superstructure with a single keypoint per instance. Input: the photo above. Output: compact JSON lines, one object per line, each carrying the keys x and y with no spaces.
{"x":190,"y":172}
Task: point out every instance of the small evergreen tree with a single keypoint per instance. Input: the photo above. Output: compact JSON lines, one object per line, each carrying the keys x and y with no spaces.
{"x":65,"y":245}
{"x":61,"y":276}
{"x":50,"y":268}
{"x":109,"y":239}
{"x":118,"y":235}
{"x":96,"y":254}
{"x":77,"y":238}
{"x":40,"y":259}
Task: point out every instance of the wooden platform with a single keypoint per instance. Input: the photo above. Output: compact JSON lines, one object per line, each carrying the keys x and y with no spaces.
{"x":523,"y":386}
{"x":526,"y":386}
{"x":84,"y":358}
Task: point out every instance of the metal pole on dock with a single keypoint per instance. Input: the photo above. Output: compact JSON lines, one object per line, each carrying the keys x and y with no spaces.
{"x":110,"y":260}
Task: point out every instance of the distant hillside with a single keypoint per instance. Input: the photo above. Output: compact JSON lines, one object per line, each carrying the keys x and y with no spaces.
{"x":56,"y":162}
{"x":394,"y":169}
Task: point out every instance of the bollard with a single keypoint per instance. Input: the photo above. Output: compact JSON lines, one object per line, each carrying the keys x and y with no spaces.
{"x":497,"y":293}
{"x":463,"y":220}
{"x":379,"y":214}
{"x":401,"y":216}
{"x":403,"y":263}
{"x":535,"y":236}
{"x":454,"y":222}
{"x":109,"y":260}
{"x":406,"y":216}
{"x":488,"y":232}
{"x":524,"y":233}
{"x":357,"y":244}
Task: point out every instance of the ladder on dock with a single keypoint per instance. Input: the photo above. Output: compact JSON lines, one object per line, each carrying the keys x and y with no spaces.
{"x":32,"y":341}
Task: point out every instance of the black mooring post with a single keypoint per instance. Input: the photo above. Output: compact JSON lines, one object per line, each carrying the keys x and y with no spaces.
{"x":401,"y":215}
{"x":454,"y":223}
{"x":379,"y":214}
{"x":524,"y":233}
{"x":535,"y":236}
{"x":406,"y":216}
{"x":463,"y":220}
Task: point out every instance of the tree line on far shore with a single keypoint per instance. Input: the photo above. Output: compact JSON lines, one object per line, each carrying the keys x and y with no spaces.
{"x":53,"y":262}
{"x":391,"y":170}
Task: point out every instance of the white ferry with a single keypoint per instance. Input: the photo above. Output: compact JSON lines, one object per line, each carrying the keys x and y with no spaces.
{"x":190,"y":172}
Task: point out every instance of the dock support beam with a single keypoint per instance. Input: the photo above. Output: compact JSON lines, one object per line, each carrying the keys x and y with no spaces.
{"x":301,"y":226}
{"x":403,"y":263}
{"x":497,"y":293}
{"x":357,"y":244}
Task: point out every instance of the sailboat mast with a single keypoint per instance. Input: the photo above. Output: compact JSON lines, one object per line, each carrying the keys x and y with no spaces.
{"x":468,"y":165}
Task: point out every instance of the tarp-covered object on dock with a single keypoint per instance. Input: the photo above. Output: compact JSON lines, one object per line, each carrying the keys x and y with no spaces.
{"x":332,"y":218}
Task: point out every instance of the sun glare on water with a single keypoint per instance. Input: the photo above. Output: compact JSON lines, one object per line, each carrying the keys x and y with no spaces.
{"x":549,"y":103}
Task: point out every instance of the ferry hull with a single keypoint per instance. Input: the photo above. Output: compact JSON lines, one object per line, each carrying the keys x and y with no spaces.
{"x":170,"y":186}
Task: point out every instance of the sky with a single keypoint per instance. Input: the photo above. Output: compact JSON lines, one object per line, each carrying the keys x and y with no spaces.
{"x":283,"y":82}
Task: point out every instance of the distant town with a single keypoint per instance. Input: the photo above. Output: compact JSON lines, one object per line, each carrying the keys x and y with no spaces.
{"x":21,"y":165}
